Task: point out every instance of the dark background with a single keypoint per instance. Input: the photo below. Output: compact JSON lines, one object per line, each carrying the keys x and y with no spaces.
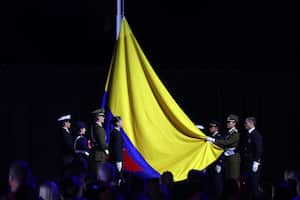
{"x":214,"y":57}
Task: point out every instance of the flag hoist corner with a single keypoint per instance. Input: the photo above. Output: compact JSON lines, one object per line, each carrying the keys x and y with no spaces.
{"x":158,"y":135}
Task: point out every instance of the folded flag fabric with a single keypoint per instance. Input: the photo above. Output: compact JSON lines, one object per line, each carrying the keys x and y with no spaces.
{"x":158,"y":135}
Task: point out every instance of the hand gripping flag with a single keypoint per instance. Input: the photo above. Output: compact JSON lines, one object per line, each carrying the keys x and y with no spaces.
{"x":158,"y":135}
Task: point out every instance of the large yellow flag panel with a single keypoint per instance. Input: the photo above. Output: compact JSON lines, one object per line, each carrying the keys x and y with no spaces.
{"x":156,"y":126}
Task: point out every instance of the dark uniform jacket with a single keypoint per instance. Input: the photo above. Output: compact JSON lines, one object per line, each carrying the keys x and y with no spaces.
{"x":252,"y":147}
{"x":215,"y":176}
{"x":81,"y":145}
{"x":99,"y":143}
{"x":220,"y":159}
{"x":66,"y":150}
{"x":66,"y":145}
{"x":116,"y":146}
{"x":211,"y":169}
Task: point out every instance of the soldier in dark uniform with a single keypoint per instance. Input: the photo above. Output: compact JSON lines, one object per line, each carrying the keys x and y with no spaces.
{"x":252,"y":149}
{"x":215,"y":170}
{"x":81,"y":142}
{"x":98,"y":135}
{"x":65,"y":144}
{"x":116,"y":146}
{"x":81,"y":148}
{"x":230,"y":143}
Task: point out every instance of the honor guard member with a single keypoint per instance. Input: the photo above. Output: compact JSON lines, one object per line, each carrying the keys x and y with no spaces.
{"x":81,"y":143}
{"x":230,"y":143}
{"x":215,"y":170}
{"x":98,"y":135}
{"x":81,"y":149}
{"x":116,"y":146}
{"x":252,"y":149}
{"x":66,"y":143}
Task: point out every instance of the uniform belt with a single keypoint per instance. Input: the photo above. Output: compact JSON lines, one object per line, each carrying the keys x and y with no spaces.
{"x":229,"y":151}
{"x":83,"y":152}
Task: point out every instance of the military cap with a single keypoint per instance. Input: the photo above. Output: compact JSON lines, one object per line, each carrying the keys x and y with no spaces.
{"x":81,"y":125}
{"x":64,"y":118}
{"x":214,"y":123}
{"x":233,"y":118}
{"x":99,"y":112}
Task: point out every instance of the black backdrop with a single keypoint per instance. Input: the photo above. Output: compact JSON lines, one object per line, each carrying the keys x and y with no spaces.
{"x":34,"y":96}
{"x":215,"y":57}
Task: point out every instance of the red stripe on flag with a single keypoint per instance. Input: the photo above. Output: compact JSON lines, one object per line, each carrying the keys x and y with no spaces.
{"x":129,"y":164}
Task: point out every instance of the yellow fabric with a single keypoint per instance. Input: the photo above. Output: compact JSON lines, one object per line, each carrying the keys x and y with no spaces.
{"x":155,"y":124}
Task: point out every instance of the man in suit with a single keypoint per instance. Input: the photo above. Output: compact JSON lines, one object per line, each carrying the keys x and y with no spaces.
{"x":230,"y":143}
{"x":215,"y":170}
{"x":116,"y":146}
{"x":98,"y":135}
{"x":65,"y":144}
{"x":252,"y":149}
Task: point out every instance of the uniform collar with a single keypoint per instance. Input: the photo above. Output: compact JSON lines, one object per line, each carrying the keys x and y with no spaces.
{"x":66,"y":129}
{"x":232,"y":130}
{"x":251,"y":130}
{"x":99,"y":124}
{"x":215,"y":133}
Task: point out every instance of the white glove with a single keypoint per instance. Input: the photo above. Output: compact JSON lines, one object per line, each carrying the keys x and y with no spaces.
{"x":218,"y":168}
{"x":255,"y":166}
{"x":106,"y":151}
{"x":210,"y":139}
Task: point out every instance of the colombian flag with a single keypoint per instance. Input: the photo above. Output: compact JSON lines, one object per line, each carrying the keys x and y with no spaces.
{"x":158,"y":135}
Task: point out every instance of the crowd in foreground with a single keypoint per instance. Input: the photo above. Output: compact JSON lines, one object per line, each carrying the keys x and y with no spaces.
{"x":82,"y":185}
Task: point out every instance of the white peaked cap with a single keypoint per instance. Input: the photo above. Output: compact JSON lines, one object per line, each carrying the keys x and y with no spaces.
{"x":65,"y":117}
{"x":200,"y":126}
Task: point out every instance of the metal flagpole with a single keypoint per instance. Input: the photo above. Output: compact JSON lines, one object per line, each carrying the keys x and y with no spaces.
{"x":119,"y":16}
{"x":123,"y":8}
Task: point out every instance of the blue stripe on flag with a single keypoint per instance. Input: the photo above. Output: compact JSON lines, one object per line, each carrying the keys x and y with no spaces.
{"x":149,"y":172}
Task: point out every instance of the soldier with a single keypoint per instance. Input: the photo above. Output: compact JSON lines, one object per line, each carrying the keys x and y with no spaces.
{"x":116,"y":146}
{"x":65,"y":144}
{"x":230,"y":144}
{"x":81,"y":143}
{"x":98,"y":135}
{"x":252,"y":149}
{"x":81,"y":148}
{"x":215,"y":170}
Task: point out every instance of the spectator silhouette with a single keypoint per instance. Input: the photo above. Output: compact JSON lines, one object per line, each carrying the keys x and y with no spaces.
{"x":231,"y":190}
{"x":153,"y":189}
{"x":49,"y":191}
{"x":287,"y":189}
{"x":21,"y":182}
{"x":72,"y":188}
{"x":166,"y":184}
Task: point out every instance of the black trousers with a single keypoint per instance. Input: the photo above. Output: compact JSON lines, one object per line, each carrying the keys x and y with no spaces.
{"x":218,"y":181}
{"x":66,"y":165}
{"x":251,"y":179}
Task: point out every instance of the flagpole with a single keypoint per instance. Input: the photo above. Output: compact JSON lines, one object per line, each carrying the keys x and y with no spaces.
{"x":119,"y":16}
{"x":123,"y":8}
